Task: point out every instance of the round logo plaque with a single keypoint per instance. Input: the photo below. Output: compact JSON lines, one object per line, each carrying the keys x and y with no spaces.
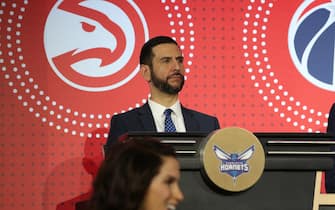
{"x":233,"y":159}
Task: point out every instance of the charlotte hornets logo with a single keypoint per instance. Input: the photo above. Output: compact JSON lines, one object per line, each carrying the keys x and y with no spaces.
{"x":311,"y":42}
{"x":234,"y":164}
{"x":229,"y":154}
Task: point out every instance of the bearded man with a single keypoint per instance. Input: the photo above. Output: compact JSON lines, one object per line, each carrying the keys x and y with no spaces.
{"x":161,"y":65}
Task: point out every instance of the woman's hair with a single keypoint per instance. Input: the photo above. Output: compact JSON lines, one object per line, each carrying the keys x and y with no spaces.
{"x":125,"y":175}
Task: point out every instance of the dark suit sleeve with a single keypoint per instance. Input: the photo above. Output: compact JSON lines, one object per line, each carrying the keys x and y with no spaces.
{"x":331,"y":120}
{"x":117,"y":128}
{"x":216,"y":123}
{"x":330,"y":174}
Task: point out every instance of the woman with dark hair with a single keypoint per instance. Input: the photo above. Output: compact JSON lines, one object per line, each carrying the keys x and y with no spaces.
{"x":138,"y":174}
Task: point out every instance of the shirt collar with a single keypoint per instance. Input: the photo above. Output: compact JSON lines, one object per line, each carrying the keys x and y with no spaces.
{"x":158,"y":110}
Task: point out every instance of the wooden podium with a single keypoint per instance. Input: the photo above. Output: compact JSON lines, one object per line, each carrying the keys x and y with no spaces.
{"x":288,"y":181}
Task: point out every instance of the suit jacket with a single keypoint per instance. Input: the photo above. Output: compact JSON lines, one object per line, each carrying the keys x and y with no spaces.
{"x":141,"y":119}
{"x":330,"y":174}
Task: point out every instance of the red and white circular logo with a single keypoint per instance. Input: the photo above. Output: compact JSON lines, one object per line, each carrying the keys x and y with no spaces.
{"x":91,"y":45}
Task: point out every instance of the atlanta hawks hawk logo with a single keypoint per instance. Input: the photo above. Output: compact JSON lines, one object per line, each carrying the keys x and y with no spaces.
{"x":90,"y":44}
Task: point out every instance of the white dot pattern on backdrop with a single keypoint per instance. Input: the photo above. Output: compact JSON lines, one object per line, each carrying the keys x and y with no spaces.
{"x":259,"y":66}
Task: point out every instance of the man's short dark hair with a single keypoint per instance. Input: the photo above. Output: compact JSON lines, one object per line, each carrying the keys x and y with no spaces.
{"x":146,"y":51}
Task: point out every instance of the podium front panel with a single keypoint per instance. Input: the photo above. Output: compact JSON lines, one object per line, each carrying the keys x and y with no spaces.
{"x":276,"y":190}
{"x":287,"y":182}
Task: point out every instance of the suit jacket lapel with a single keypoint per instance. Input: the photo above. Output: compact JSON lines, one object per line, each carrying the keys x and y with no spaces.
{"x":190,"y":123}
{"x":146,"y":118}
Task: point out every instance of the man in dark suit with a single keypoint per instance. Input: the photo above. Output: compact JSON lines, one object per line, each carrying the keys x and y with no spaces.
{"x":161,"y":65}
{"x":330,"y":174}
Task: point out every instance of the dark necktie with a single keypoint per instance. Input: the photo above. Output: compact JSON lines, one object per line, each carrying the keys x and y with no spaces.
{"x":169,"y":126}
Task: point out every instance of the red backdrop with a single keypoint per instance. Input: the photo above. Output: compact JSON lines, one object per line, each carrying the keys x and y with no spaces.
{"x":68,"y":66}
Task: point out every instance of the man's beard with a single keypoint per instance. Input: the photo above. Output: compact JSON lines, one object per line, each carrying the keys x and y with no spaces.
{"x":164,"y":86}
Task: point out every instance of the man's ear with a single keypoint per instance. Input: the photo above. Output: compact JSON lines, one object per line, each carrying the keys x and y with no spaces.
{"x":145,"y":71}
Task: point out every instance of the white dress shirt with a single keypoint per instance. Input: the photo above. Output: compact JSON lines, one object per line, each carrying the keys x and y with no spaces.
{"x":159,"y":117}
